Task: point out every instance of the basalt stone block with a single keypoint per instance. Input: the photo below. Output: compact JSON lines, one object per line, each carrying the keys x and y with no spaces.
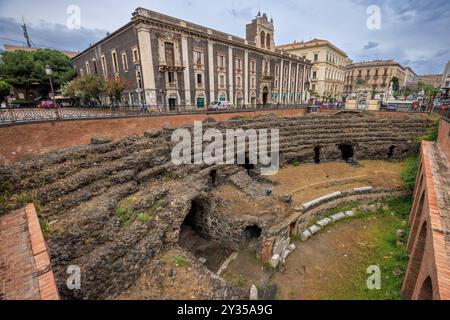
{"x":100,"y":140}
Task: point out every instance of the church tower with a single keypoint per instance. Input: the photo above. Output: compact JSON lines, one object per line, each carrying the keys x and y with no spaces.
{"x":261,"y":31}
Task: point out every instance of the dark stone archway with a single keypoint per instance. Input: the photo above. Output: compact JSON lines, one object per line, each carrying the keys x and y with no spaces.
{"x":347,"y":151}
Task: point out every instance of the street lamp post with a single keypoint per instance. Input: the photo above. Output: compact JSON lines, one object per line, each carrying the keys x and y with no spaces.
{"x":49,"y":72}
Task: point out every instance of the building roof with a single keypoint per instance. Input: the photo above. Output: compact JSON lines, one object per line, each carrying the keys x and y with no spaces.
{"x":375,"y":63}
{"x":12,"y":48}
{"x":311,"y":44}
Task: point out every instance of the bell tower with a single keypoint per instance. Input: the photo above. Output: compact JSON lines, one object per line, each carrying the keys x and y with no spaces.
{"x":261,"y":31}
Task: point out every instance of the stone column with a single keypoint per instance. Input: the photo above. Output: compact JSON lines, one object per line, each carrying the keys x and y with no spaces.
{"x":230,"y":74}
{"x":147,"y":72}
{"x":186,"y":65}
{"x":212,"y":95}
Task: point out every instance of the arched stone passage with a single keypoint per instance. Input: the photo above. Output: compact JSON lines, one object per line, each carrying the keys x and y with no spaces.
{"x":415,"y":262}
{"x":347,"y":151}
{"x":426,"y":291}
{"x":391,"y":152}
{"x":317,"y":154}
{"x":248,"y":166}
{"x":251,"y":234}
{"x":213,"y":176}
{"x":194,"y":216}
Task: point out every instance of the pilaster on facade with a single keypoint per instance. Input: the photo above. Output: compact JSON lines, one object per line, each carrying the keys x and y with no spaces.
{"x":246,"y":93}
{"x":289,"y":83}
{"x":280,"y":92}
{"x":212,"y":96}
{"x":186,"y":64}
{"x":148,"y":72}
{"x":230,"y":74}
{"x":296,"y":84}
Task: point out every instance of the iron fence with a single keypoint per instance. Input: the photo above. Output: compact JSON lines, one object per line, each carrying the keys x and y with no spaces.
{"x":25,"y":115}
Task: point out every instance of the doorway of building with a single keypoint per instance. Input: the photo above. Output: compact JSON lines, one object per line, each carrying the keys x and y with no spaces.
{"x":265,"y":95}
{"x":347,"y":151}
{"x":172,"y":104}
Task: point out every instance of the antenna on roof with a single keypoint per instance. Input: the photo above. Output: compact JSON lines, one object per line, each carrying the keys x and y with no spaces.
{"x":25,"y":33}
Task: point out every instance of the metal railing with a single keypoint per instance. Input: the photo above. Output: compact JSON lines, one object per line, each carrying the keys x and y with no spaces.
{"x":26,"y":115}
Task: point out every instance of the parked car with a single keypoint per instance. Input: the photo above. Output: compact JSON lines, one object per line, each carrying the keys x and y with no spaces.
{"x":391,"y":107}
{"x":219,"y":105}
{"x":47,"y":104}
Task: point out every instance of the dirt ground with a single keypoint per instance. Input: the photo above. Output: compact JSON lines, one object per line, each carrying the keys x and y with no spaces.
{"x":310,"y":181}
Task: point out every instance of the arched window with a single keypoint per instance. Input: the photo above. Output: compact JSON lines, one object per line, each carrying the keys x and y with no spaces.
{"x":263,"y":38}
{"x":268,"y":41}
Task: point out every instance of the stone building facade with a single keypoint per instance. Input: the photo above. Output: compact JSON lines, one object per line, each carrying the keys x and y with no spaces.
{"x":431,"y":79}
{"x":378,"y":74}
{"x":172,"y":64}
{"x":329,"y":63}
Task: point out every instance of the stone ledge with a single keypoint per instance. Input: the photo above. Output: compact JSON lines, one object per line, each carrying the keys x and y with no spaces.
{"x":46,"y":279}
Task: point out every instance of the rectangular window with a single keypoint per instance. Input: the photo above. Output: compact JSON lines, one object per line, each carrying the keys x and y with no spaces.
{"x":135,"y":55}
{"x":94,"y":63}
{"x":253,"y":66}
{"x":314,"y":74}
{"x":88,"y":68}
{"x":171,"y":77}
{"x":199,"y":79}
{"x":115,"y":63}
{"x":222,"y":81}
{"x":198,"y":57}
{"x":124,"y":61}
{"x":221,"y":61}
{"x":253,"y":83}
{"x":170,"y":55}
{"x":277,"y":70}
{"x":238,"y":64}
{"x":104,"y":66}
{"x":267,"y":69}
{"x":316,"y":57}
{"x":238,"y":82}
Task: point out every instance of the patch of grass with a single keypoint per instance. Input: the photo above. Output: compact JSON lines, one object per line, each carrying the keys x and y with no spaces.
{"x":409,"y":173}
{"x":384,"y":250}
{"x":180,"y":261}
{"x":170,"y":175}
{"x":156,"y":205}
{"x":46,"y":228}
{"x":143,"y":217}
{"x":296,"y":163}
{"x":6,"y":190}
{"x":24,"y":198}
{"x":124,"y":215}
{"x":432,"y":134}
{"x":236,"y":280}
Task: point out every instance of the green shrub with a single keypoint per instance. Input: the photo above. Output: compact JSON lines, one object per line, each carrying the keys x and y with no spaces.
{"x":433,"y":133}
{"x":409,"y":173}
{"x":181,"y":261}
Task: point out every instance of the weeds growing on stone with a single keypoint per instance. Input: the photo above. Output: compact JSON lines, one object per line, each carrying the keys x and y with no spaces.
{"x":181,"y":261}
{"x":409,"y":173}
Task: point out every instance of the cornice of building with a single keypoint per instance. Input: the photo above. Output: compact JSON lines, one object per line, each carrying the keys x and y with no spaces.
{"x":142,"y":16}
{"x":315,"y":43}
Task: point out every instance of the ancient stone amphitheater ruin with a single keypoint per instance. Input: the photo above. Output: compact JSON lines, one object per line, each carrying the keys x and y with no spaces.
{"x":111,"y":207}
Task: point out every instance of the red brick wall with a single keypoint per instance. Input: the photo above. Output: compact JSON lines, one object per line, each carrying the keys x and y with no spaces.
{"x":444,"y":138}
{"x":426,"y":245}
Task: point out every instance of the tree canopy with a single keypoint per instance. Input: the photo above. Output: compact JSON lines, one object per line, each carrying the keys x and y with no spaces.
{"x":27,"y":69}
{"x":5,"y":90}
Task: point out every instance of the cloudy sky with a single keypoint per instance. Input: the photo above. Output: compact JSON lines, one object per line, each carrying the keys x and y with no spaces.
{"x":413,"y":32}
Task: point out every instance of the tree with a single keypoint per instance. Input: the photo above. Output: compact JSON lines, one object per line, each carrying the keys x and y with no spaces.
{"x":430,"y":94}
{"x":5,"y":90}
{"x":85,"y":88}
{"x":114,"y":89}
{"x":27,"y":69}
{"x":395,"y":84}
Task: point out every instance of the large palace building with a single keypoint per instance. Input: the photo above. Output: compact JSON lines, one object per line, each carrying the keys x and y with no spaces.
{"x":172,"y":64}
